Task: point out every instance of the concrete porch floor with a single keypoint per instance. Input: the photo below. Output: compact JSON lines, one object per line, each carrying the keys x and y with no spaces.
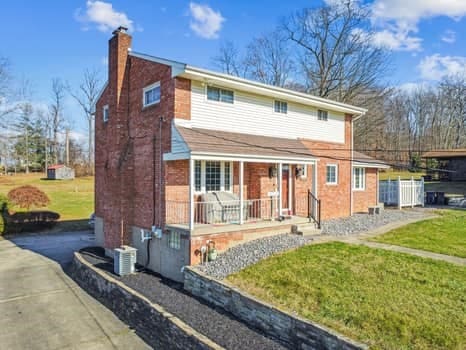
{"x":262,"y":225}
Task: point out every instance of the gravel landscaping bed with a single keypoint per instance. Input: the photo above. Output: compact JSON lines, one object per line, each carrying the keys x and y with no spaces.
{"x":214,"y":323}
{"x":359,"y":223}
{"x":243,"y":255}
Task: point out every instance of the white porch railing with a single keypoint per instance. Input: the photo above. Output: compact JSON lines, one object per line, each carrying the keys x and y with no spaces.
{"x":402,"y":193}
{"x":221,"y":212}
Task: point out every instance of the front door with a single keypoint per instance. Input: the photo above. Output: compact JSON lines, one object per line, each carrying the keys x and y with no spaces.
{"x":286,"y":190}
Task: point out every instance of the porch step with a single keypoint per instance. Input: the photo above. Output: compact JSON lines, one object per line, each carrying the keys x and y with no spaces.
{"x":307,"y":229}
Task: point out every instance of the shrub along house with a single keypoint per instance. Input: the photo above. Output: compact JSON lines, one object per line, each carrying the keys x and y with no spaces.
{"x":205,"y":156}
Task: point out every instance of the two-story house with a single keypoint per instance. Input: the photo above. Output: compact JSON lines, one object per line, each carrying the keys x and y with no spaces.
{"x":204,"y":156}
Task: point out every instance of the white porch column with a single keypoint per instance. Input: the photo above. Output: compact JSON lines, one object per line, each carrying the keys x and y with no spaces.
{"x":191,"y":194}
{"x":280,"y":195}
{"x":241,"y":194}
{"x":314,"y":186}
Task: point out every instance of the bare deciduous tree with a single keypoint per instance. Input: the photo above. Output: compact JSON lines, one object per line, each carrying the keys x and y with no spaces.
{"x":56,"y":112}
{"x":336,"y":50}
{"x":268,"y":59}
{"x":86,"y":96}
{"x":228,"y":60}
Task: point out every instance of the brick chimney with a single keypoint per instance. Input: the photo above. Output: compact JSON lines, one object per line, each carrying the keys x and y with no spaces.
{"x":118,"y":47}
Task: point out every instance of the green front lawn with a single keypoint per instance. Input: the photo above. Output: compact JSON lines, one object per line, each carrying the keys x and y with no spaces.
{"x":386,"y":299}
{"x":445,"y":235}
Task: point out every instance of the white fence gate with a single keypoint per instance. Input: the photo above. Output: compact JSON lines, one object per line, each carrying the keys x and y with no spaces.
{"x":402,"y":193}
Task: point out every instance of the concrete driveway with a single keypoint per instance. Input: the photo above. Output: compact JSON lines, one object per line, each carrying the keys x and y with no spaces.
{"x":42,"y":308}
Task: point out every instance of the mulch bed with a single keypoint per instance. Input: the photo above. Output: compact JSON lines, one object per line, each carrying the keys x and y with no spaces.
{"x":216,"y":324}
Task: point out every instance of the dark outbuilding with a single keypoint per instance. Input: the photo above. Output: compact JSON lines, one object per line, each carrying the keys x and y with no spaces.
{"x":453,"y":160}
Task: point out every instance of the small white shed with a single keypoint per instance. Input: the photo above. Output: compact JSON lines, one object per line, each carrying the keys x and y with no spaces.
{"x":60,"y":172}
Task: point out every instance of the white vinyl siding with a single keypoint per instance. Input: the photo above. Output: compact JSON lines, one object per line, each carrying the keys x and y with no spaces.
{"x":359,"y":179}
{"x":332,"y":174}
{"x":252,"y":114}
{"x":151,"y":94}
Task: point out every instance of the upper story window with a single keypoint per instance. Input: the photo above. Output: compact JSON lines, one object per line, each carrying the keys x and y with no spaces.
{"x":322,"y":115}
{"x":359,"y":178}
{"x":332,"y":174}
{"x":105,"y":113}
{"x":280,"y":107}
{"x":151,"y":94}
{"x":220,"y":95}
{"x":211,"y":176}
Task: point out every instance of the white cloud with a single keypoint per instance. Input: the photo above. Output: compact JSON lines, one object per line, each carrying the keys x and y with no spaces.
{"x":435,"y":67}
{"x":398,"y":19}
{"x":104,"y":16}
{"x":449,"y":36}
{"x":205,"y":22}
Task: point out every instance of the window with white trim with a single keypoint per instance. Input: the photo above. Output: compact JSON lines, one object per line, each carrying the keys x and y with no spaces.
{"x":332,"y":174}
{"x":151,"y":94}
{"x":302,"y":170}
{"x":359,"y":178}
{"x":219,"y":95}
{"x":174,"y":240}
{"x":105,"y":113}
{"x":212,"y":175}
{"x":322,"y":115}
{"x":280,"y":107}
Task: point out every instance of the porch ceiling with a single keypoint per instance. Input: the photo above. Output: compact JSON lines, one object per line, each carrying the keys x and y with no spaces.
{"x":214,"y":144}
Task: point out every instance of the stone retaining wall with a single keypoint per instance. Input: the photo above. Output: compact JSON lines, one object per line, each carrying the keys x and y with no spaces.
{"x":152,"y":323}
{"x":295,"y":332}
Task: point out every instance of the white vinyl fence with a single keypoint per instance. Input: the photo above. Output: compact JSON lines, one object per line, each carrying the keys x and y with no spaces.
{"x":402,"y":193}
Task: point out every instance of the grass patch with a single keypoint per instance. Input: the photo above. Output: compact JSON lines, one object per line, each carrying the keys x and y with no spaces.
{"x":72,"y":199}
{"x":386,"y":299}
{"x":444,"y":235}
{"x":405,"y":175}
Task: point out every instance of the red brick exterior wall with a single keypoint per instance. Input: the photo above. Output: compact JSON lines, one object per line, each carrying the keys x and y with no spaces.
{"x":363,"y":199}
{"x":335,"y":199}
{"x":130,"y":173}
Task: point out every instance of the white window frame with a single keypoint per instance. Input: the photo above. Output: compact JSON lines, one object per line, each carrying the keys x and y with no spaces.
{"x":148,"y":88}
{"x":359,"y":186}
{"x":105,"y":113}
{"x":304,"y":167}
{"x":174,"y":240}
{"x":324,"y":112}
{"x":220,"y":100}
{"x":222,"y":177}
{"x":280,"y":109}
{"x":335,"y":166}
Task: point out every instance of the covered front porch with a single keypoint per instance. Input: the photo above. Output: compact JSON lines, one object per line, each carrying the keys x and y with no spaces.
{"x":217,"y":181}
{"x":224,"y":192}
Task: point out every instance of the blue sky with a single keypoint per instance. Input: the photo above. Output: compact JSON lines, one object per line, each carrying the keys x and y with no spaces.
{"x":47,"y":39}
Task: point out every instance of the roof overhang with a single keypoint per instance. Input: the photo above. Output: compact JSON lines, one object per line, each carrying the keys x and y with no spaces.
{"x":357,"y":164}
{"x":248,"y":158}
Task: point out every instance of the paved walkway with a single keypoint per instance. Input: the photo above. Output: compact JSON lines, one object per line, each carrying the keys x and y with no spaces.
{"x":42,"y":308}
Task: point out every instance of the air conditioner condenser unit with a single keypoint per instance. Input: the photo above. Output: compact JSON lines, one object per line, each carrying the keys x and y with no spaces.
{"x":124,"y":260}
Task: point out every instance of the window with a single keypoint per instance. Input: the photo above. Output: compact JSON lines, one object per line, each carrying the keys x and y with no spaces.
{"x":151,"y":95}
{"x":197,"y":176}
{"x":174,"y":240}
{"x":281,"y":107}
{"x":105,"y":113}
{"x":211,"y":176}
{"x":332,"y":174}
{"x":359,"y":179}
{"x":221,"y":95}
{"x":301,"y":170}
{"x":322,"y":115}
